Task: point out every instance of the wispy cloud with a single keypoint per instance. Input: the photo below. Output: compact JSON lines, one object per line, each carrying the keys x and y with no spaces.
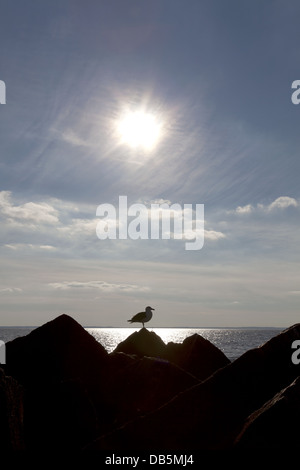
{"x":47,"y":226}
{"x":245,"y":209}
{"x":71,"y":137}
{"x":103,"y":286}
{"x":10,"y":290}
{"x":29,"y":211}
{"x":282,"y":202}
{"x":22,"y":246}
{"x":212,"y":235}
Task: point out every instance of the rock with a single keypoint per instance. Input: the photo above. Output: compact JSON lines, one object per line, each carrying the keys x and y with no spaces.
{"x":11,"y":414}
{"x":60,"y":417}
{"x":59,"y":349}
{"x":76,"y":391}
{"x":77,"y":396}
{"x":211,"y":414}
{"x":276,"y":424}
{"x":142,"y":385}
{"x":62,"y":369}
{"x":143,"y":343}
{"x":196,"y":355}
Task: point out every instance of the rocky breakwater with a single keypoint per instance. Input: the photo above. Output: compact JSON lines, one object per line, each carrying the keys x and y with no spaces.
{"x":195,"y":354}
{"x":74,"y":393}
{"x":11,"y":414}
{"x":219,"y":412}
{"x":61,"y":390}
{"x":275,"y":425}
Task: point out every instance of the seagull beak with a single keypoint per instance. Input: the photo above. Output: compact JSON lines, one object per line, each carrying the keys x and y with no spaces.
{"x":152,"y":308}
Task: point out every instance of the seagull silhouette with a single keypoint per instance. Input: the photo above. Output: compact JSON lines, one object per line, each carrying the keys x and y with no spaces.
{"x":142,"y":317}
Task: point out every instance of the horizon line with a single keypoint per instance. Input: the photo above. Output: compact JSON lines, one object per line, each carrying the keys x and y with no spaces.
{"x":156,"y":327}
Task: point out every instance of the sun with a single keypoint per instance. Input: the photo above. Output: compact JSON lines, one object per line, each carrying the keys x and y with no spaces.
{"x":139,"y":130}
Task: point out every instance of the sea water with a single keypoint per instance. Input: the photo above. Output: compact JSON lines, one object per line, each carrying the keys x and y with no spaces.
{"x":232,"y":341}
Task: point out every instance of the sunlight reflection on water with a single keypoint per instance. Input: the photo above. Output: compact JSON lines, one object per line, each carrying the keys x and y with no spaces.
{"x":232,"y":341}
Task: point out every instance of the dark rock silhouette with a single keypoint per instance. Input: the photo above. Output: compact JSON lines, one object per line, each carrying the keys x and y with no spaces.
{"x":11,"y":414}
{"x":160,"y":397}
{"x":143,"y":343}
{"x":70,"y":379}
{"x":276,"y":424}
{"x":62,"y":369}
{"x":195,"y":354}
{"x":59,"y":349}
{"x":210,"y":415}
{"x":142,"y":385}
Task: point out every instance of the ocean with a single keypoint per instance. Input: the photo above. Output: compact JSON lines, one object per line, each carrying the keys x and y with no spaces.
{"x":232,"y":341}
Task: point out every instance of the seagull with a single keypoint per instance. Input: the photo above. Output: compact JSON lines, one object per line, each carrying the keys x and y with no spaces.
{"x":142,"y":317}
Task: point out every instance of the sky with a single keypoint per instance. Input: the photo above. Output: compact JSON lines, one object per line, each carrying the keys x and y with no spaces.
{"x":216,"y":77}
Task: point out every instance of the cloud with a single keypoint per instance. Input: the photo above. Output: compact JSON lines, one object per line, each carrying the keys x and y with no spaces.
{"x":159,"y":201}
{"x":30,"y":211}
{"x":10,"y":290}
{"x":245,"y":209}
{"x":22,"y":246}
{"x":72,"y":138}
{"x":98,"y":285}
{"x":77,"y":226}
{"x":282,"y":202}
{"x":212,"y":235}
{"x":26,"y":228}
{"x":47,"y":225}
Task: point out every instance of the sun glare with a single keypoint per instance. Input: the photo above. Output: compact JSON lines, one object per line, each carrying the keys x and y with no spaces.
{"x":139,"y":129}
